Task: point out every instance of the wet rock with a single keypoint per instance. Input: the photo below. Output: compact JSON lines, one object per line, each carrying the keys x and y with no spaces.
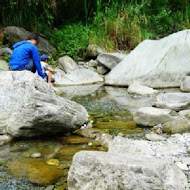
{"x":36,"y":171}
{"x":75,"y":139}
{"x":115,"y":125}
{"x":53,"y":162}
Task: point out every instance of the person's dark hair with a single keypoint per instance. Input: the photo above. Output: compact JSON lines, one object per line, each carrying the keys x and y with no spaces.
{"x":34,"y":36}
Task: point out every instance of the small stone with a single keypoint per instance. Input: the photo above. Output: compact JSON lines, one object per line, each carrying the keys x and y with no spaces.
{"x":53,"y":162}
{"x":154,"y":137}
{"x":36,"y":155}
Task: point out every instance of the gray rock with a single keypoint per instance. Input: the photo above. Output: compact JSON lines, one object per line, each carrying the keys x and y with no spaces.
{"x":80,"y":90}
{"x":4,"y":66}
{"x":142,"y":90}
{"x":67,"y":64}
{"x":102,"y":70}
{"x":165,"y":149}
{"x":185,"y":84}
{"x":4,"y":139}
{"x":155,"y":63}
{"x":177,"y":126}
{"x":93,"y":63}
{"x":108,"y":171}
{"x":5,"y":51}
{"x":78,"y":77}
{"x":110,"y":60}
{"x":185,"y":113}
{"x":150,"y":116}
{"x":94,"y":50}
{"x":173,"y":101}
{"x":154,"y":137}
{"x":29,"y":107}
{"x":14,"y":34}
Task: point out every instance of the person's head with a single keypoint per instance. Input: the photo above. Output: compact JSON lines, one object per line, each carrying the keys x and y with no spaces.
{"x":33,"y":38}
{"x":44,"y":58}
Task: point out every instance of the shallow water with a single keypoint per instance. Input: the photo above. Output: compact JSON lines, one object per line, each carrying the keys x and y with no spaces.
{"x":25,"y":163}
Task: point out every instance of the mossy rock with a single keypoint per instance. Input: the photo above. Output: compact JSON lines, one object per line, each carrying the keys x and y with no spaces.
{"x":66,"y":153}
{"x":115,"y":125}
{"x":89,"y":133}
{"x":75,"y":139}
{"x":37,"y":171}
{"x":121,"y":113}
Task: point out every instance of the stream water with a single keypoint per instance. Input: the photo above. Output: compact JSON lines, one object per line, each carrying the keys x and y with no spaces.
{"x":37,"y":164}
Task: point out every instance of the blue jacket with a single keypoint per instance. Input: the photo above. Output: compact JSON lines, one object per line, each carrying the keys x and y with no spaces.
{"x":22,"y":53}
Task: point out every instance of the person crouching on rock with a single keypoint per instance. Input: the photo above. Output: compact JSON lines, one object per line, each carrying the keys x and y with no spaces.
{"x":26,"y":56}
{"x":47,"y":69}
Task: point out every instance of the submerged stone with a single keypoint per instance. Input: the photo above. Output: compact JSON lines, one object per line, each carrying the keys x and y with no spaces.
{"x":75,"y":139}
{"x":115,"y":125}
{"x":53,"y":162}
{"x":37,"y":171}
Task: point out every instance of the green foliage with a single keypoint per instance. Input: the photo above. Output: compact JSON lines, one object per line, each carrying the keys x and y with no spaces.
{"x":35,"y":15}
{"x":71,"y":40}
{"x":112,"y":24}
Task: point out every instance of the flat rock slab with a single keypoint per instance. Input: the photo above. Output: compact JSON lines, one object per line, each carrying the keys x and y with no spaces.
{"x":150,"y":116}
{"x":173,"y":101}
{"x":108,"y":171}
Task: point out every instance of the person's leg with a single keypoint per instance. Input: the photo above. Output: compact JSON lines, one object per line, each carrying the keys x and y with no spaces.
{"x":30,"y":67}
{"x":49,"y":76}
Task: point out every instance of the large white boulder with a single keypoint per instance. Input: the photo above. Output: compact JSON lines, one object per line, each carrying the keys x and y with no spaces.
{"x":155,"y":63}
{"x":109,"y":171}
{"x":29,"y":107}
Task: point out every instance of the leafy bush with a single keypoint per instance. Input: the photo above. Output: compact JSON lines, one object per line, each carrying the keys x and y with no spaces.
{"x":71,"y":40}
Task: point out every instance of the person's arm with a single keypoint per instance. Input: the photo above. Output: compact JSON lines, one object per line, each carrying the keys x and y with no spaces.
{"x":36,"y":60}
{"x":51,"y":70}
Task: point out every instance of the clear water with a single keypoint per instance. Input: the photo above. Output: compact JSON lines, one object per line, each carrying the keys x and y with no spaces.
{"x":105,"y":105}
